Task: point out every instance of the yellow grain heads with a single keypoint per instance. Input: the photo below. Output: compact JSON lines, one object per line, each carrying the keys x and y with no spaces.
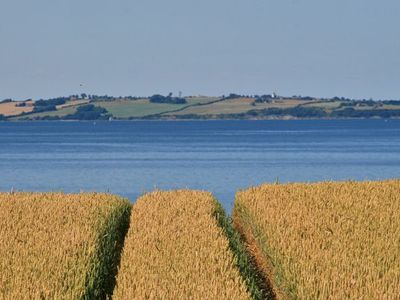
{"x":58,"y":246}
{"x":327,"y":240}
{"x":175,"y":250}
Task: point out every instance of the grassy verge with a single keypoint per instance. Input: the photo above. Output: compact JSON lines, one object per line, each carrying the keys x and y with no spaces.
{"x":262,"y":257}
{"x":110,"y":240}
{"x":254,"y":278}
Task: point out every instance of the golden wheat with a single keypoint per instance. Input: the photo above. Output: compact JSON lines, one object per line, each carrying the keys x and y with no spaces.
{"x":327,"y":240}
{"x":175,"y":250}
{"x":52,"y":244}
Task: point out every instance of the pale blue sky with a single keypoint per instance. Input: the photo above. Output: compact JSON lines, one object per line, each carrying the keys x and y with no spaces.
{"x":140,"y":47}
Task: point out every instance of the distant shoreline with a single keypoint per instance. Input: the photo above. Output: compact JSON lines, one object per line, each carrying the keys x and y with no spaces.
{"x":232,"y":107}
{"x":194,"y":120}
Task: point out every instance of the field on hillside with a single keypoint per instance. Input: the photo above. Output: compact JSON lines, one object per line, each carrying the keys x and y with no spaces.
{"x":136,"y":108}
{"x":326,"y":240}
{"x":62,"y":110}
{"x":59,"y":113}
{"x":174,"y":249}
{"x":11,"y":108}
{"x":141,"y":108}
{"x":234,"y":106}
{"x":72,"y":103}
{"x":60,"y":246}
{"x":323,"y":104}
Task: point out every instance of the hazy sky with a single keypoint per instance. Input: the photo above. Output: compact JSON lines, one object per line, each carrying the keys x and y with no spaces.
{"x":140,"y":47}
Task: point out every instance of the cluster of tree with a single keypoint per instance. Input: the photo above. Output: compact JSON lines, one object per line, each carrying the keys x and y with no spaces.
{"x":391,"y":102}
{"x":316,"y":112}
{"x":89,"y":112}
{"x":232,"y":96}
{"x":167,"y":99}
{"x":307,"y":98}
{"x":298,"y":112}
{"x":84,"y":112}
{"x":43,"y":108}
{"x":346,"y":104}
{"x":350,"y":112}
{"x":52,"y":101}
{"x":300,"y":97}
{"x":364,"y":102}
{"x":267,"y":97}
{"x":371,"y":103}
{"x":263,"y":98}
{"x":49,"y":104}
{"x":43,"y":118}
{"x":336,"y":98}
{"x":109,"y":98}
{"x":6,"y":100}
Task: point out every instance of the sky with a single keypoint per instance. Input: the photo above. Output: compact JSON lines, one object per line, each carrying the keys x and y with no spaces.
{"x":51,"y":48}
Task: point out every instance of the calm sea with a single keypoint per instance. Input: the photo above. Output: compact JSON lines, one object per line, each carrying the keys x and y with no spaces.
{"x":130,"y":158}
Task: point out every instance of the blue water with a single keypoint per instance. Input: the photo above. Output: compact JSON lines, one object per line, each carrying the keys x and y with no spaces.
{"x":130,"y":158}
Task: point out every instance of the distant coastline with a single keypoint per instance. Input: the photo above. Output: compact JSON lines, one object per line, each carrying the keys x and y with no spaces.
{"x":231,"y":107}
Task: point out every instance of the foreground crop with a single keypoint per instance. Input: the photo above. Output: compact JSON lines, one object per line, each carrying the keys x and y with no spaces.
{"x":175,"y":250}
{"x":57,"y":246}
{"x":327,"y":240}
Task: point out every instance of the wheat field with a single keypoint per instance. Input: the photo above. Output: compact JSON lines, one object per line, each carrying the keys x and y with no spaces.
{"x":174,"y":249}
{"x":59,"y":246}
{"x":325,"y":240}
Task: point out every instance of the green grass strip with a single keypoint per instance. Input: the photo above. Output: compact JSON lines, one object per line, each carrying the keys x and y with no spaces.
{"x":101,"y":279}
{"x":252,"y":276}
{"x":275,"y":277}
